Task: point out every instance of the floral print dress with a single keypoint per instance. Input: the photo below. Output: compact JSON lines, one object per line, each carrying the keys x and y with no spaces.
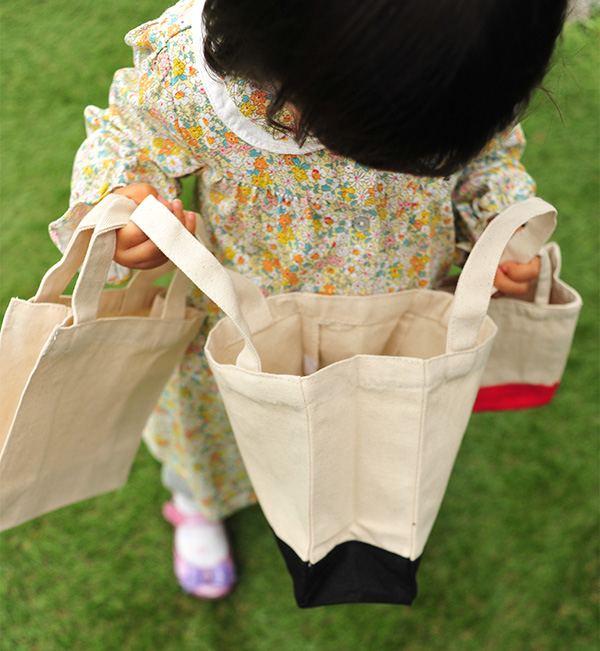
{"x":291,"y":218}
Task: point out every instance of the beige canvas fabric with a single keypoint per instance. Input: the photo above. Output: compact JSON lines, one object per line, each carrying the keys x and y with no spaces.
{"x":79,"y":376}
{"x":349,"y":411}
{"x":535,"y":334}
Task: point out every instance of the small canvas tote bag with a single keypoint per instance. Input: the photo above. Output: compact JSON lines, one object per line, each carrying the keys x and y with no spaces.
{"x":534,"y":339}
{"x":79,"y":376}
{"x":349,"y":411}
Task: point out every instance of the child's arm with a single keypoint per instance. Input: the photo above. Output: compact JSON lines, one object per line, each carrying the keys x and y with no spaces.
{"x":487,"y":186}
{"x":136,"y":139}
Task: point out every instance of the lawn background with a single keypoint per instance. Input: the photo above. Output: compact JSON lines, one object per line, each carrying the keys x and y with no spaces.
{"x":512,"y":562}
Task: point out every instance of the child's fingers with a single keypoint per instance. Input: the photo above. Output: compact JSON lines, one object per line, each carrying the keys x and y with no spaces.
{"x":162,"y":200}
{"x":522,"y":272}
{"x":137,"y":192}
{"x":146,"y":255}
{"x":506,"y":285}
{"x":143,"y":256}
{"x":177,"y":209}
{"x":129,"y":236}
{"x":135,"y":250}
{"x":188,"y":219}
{"x":190,"y":222}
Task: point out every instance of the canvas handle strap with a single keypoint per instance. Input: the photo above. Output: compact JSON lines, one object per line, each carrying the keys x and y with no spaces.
{"x":175,"y":300}
{"x":544,"y":282}
{"x":473,"y":290}
{"x":92,"y":248}
{"x":60,"y":275}
{"x":200,"y":266}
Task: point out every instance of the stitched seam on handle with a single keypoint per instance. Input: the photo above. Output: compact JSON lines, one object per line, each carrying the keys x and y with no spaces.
{"x":310,"y":549}
{"x":414,"y":520}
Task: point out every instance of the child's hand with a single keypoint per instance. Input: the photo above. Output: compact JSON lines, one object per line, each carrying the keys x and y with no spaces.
{"x":513,"y":279}
{"x":134,"y":249}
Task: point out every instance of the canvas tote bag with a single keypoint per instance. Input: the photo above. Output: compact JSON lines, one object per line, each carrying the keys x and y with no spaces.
{"x":534,"y":338}
{"x":79,"y":376}
{"x":349,"y":411}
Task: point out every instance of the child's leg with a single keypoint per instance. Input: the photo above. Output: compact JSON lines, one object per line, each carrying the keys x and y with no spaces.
{"x":189,"y":433}
{"x":203,"y":564}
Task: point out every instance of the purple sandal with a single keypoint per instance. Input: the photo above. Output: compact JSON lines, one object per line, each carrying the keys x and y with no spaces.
{"x":201,"y":582}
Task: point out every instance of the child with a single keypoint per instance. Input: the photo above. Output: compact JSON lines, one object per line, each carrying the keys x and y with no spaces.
{"x":339,"y":147}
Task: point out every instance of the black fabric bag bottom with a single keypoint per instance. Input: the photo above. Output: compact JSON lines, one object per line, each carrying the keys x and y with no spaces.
{"x":353,"y":572}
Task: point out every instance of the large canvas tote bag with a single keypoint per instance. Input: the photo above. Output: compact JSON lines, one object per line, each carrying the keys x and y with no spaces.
{"x":533,"y":342}
{"x":79,"y":376}
{"x":349,"y":411}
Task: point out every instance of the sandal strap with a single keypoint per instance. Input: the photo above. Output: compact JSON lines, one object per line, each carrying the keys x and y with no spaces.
{"x":192,"y":578}
{"x":175,"y":517}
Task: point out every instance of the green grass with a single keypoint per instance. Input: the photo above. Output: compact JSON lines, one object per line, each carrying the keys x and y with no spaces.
{"x":512,"y":562}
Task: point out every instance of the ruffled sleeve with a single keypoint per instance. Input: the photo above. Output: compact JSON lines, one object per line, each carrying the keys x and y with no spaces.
{"x":487,"y":186}
{"x":136,"y":139}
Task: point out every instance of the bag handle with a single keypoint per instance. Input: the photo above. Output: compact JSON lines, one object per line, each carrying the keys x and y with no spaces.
{"x":175,"y":300}
{"x":543,"y":288}
{"x":95,"y":268}
{"x":200,"y":266}
{"x":57,"y":278}
{"x":474,"y":287}
{"x":473,"y":291}
{"x":92,"y":248}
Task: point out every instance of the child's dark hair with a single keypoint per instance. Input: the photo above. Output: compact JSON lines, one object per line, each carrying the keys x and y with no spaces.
{"x":415,"y":86}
